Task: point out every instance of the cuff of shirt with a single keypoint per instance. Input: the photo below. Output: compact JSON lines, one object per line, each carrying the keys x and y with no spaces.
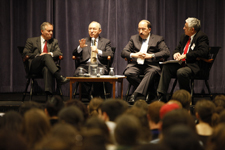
{"x":99,"y":52}
{"x":79,"y":49}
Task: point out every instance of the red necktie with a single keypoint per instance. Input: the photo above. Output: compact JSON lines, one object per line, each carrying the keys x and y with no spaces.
{"x":45,"y":50}
{"x":186,"y":47}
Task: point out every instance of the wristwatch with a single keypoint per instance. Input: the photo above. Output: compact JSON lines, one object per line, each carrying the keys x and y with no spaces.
{"x":153,"y":55}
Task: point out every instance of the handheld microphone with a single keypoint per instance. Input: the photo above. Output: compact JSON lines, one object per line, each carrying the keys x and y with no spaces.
{"x":93,"y":41}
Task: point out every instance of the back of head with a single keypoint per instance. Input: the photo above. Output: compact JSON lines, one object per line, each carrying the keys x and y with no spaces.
{"x":167,"y":108}
{"x":216,"y":140}
{"x":28,"y":105}
{"x":12,"y":121}
{"x":181,"y":137}
{"x":80,"y":105}
{"x":127,"y":131}
{"x":175,"y":117}
{"x":54,"y":105}
{"x":184,"y":97}
{"x":114,"y":108}
{"x":219,"y":101}
{"x":72,"y":115}
{"x":141,"y":104}
{"x":153,"y":111}
{"x":94,"y":105}
{"x":207,"y":112}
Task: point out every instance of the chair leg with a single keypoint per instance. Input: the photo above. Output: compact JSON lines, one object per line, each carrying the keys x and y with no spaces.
{"x":128,"y":90}
{"x":174,"y":84}
{"x":31,"y":89}
{"x":105,"y":94}
{"x":207,"y":85}
{"x":192,"y":91}
{"x":25,"y":91}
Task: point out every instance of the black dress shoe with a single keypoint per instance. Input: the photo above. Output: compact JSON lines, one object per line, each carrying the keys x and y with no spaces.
{"x":132,"y":99}
{"x":63,"y":80}
{"x":162,"y":98}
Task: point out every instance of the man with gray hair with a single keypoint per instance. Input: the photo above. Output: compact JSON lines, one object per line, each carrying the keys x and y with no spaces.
{"x":42,"y":51}
{"x":193,"y":43}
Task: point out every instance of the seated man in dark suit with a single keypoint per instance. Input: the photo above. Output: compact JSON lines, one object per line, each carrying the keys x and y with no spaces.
{"x":145,"y":50}
{"x":41,"y":51}
{"x":194,"y":43}
{"x":101,"y":48}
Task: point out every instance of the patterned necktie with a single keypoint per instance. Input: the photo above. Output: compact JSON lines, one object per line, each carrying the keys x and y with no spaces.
{"x":186,"y":47}
{"x":45,"y":50}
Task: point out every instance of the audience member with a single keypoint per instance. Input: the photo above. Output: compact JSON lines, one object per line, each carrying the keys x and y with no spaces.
{"x":36,"y":126}
{"x":216,"y":140}
{"x":181,"y":137}
{"x":154,"y":118}
{"x":219,"y":101}
{"x":127,"y":132}
{"x":52,"y":108}
{"x":79,"y":105}
{"x":73,"y":116}
{"x":93,"y":106}
{"x":176,"y":102}
{"x":184,"y":97}
{"x":141,"y":115}
{"x":141,"y":104}
{"x":167,"y":108}
{"x":27,"y":105}
{"x":205,"y":113}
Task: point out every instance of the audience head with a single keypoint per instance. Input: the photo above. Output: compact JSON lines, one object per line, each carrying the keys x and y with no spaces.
{"x":219,"y":101}
{"x":222,"y":117}
{"x":144,"y":28}
{"x":94,"y":105}
{"x":175,"y":117}
{"x":11,"y":141}
{"x":181,"y":137}
{"x":94,"y":29}
{"x":205,"y":111}
{"x":72,"y":115}
{"x":141,"y":115}
{"x":176,"y":102}
{"x":141,"y":104}
{"x":54,"y":105}
{"x":97,"y":123}
{"x":36,"y":126}
{"x":112,"y":108}
{"x":153,"y":111}
{"x":127,"y":131}
{"x":12,"y":121}
{"x":216,"y":140}
{"x":80,"y":105}
{"x":167,"y":108}
{"x":184,"y":97}
{"x":27,"y":105}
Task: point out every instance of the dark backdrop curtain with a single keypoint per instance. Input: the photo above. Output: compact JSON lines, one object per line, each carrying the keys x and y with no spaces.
{"x":20,"y":19}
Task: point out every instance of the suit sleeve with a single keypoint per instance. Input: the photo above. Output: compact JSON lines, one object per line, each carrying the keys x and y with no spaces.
{"x":163,"y":49}
{"x":107,"y":49}
{"x":56,"y":50}
{"x":30,"y":49}
{"x":128,"y":49}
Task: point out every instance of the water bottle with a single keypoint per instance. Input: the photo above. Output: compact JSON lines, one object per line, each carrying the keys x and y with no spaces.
{"x":111,"y":72}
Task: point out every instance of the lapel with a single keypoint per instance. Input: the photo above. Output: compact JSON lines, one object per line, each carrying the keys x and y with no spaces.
{"x":39,"y":44}
{"x":99,"y":42}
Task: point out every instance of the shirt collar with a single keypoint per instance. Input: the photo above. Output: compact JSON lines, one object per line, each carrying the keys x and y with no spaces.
{"x":42,"y":40}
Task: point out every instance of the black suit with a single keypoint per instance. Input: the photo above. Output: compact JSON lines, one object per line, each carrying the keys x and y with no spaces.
{"x":198,"y":48}
{"x":42,"y":64}
{"x":103,"y":44}
{"x":150,"y":68}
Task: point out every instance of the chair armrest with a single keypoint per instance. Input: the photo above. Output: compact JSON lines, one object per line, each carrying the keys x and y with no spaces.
{"x":109,"y":58}
{"x":205,"y":60}
{"x":60,"y":57}
{"x":25,"y":58}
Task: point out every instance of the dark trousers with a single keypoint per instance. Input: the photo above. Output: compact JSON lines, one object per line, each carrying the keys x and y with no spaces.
{"x":46,"y":66}
{"x":142,"y":85}
{"x":183,"y":75}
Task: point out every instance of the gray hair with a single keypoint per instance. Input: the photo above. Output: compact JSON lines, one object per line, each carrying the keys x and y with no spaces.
{"x":99,"y":25}
{"x":193,"y":23}
{"x":44,"y":24}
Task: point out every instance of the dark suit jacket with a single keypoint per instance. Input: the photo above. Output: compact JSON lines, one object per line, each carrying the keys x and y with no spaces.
{"x":156,"y":45}
{"x":103,"y":44}
{"x":199,"y":48}
{"x":33,"y":48}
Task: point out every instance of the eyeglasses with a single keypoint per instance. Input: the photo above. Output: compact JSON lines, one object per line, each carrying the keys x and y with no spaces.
{"x":94,"y":29}
{"x":143,"y":29}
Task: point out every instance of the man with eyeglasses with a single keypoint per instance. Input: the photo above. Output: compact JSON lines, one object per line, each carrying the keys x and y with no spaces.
{"x":143,"y":52}
{"x":101,"y":47}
